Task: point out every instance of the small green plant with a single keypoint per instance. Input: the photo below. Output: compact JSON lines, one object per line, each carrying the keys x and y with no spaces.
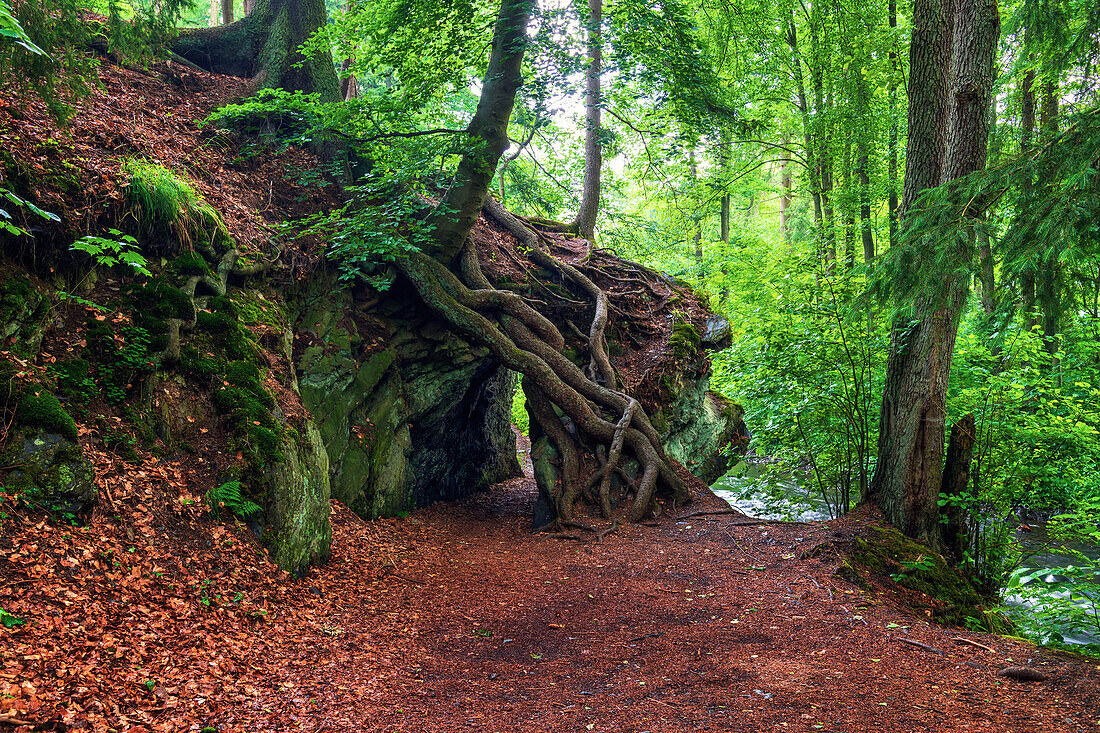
{"x":228,"y":496}
{"x":5,"y":216}
{"x":118,"y":249}
{"x":10,"y":621}
{"x":166,"y":203}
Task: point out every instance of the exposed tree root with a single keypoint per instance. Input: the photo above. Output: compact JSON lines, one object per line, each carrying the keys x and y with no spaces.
{"x":571,"y":407}
{"x":216,"y":284}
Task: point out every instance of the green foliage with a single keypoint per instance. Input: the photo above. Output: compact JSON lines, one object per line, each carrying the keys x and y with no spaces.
{"x":166,"y":204}
{"x":13,"y":31}
{"x":75,"y":381}
{"x":119,"y":249}
{"x":382,"y":224}
{"x":43,"y":410}
{"x":43,"y":43}
{"x":520,"y":418}
{"x":1063,"y":600}
{"x":228,"y":497}
{"x":122,"y":357}
{"x":10,"y":621}
{"x":6,"y":224}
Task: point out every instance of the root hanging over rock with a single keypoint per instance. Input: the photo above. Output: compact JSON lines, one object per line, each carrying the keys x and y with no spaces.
{"x":581,"y":411}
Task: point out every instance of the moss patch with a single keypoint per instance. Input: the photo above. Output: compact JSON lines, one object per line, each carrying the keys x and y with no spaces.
{"x":938,"y":591}
{"x":43,"y":410}
{"x":685,"y":339}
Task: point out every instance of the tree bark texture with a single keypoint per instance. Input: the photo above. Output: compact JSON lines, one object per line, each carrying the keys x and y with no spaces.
{"x":227,"y":12}
{"x":264,"y":46}
{"x":909,"y":470}
{"x":956,"y":477}
{"x":487,"y":133}
{"x":593,"y":108}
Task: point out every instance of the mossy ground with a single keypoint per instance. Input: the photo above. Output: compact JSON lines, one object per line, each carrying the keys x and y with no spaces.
{"x":883,"y":556}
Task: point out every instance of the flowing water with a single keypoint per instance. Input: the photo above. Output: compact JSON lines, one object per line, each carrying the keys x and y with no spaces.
{"x":750,"y":488}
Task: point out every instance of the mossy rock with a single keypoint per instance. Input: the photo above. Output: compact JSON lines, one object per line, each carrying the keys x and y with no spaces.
{"x":189,"y":264}
{"x":52,"y":472}
{"x":43,"y":410}
{"x":945,"y":594}
{"x":685,"y":339}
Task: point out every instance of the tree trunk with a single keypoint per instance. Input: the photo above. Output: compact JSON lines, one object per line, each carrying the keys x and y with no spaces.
{"x":697,"y":235}
{"x":985,"y":262}
{"x":593,"y":149}
{"x":1049,"y":276}
{"x":263,"y":46}
{"x":892,"y":173}
{"x":849,"y":212}
{"x":948,"y":133}
{"x":1027,"y":133}
{"x":807,"y":128}
{"x":248,"y":7}
{"x":227,"y":12}
{"x":785,"y":200}
{"x":866,"y":234}
{"x":215,"y":13}
{"x":956,"y":477}
{"x":725,"y":155}
{"x":487,"y":133}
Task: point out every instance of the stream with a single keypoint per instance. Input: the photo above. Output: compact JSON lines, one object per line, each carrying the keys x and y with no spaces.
{"x":749,"y":488}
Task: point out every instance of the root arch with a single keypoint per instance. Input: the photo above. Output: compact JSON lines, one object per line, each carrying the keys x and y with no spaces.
{"x":604,"y":421}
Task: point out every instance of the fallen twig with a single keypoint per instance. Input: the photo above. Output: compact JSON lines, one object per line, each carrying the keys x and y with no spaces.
{"x":920,"y":645}
{"x":962,"y":640}
{"x":645,"y":636}
{"x":614,"y":526}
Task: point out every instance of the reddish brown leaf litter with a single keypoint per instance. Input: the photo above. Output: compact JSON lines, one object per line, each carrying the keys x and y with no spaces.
{"x":456,"y":618}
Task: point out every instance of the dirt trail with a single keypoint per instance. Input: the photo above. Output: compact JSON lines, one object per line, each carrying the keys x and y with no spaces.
{"x":455,"y":618}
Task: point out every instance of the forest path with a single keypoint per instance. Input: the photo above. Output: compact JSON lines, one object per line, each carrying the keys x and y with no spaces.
{"x":456,"y":618}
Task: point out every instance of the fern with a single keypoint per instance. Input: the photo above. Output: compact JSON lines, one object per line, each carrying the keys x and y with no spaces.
{"x":228,"y":497}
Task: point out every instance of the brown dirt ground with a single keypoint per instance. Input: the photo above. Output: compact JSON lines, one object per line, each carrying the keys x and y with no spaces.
{"x":467,"y":622}
{"x":456,"y":618}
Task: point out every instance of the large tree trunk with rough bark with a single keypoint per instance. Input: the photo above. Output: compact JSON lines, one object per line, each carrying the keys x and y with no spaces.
{"x":263,"y":46}
{"x":951,"y":78}
{"x":487,"y":133}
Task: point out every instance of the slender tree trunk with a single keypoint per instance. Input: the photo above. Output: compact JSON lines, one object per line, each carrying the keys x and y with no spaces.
{"x":697,"y":236}
{"x":487,"y":133}
{"x":807,"y":127}
{"x":349,"y":85}
{"x":785,"y":199}
{"x":985,"y":261}
{"x":948,"y":133}
{"x":227,"y":12}
{"x":1027,"y":133}
{"x":985,"y":252}
{"x":1050,"y":277}
{"x":892,"y":95}
{"x":849,"y":213}
{"x":248,"y":7}
{"x":726,"y":154}
{"x":593,"y":149}
{"x":215,"y":13}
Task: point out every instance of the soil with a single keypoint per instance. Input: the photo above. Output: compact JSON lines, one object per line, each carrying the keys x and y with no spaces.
{"x":457,"y":618}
